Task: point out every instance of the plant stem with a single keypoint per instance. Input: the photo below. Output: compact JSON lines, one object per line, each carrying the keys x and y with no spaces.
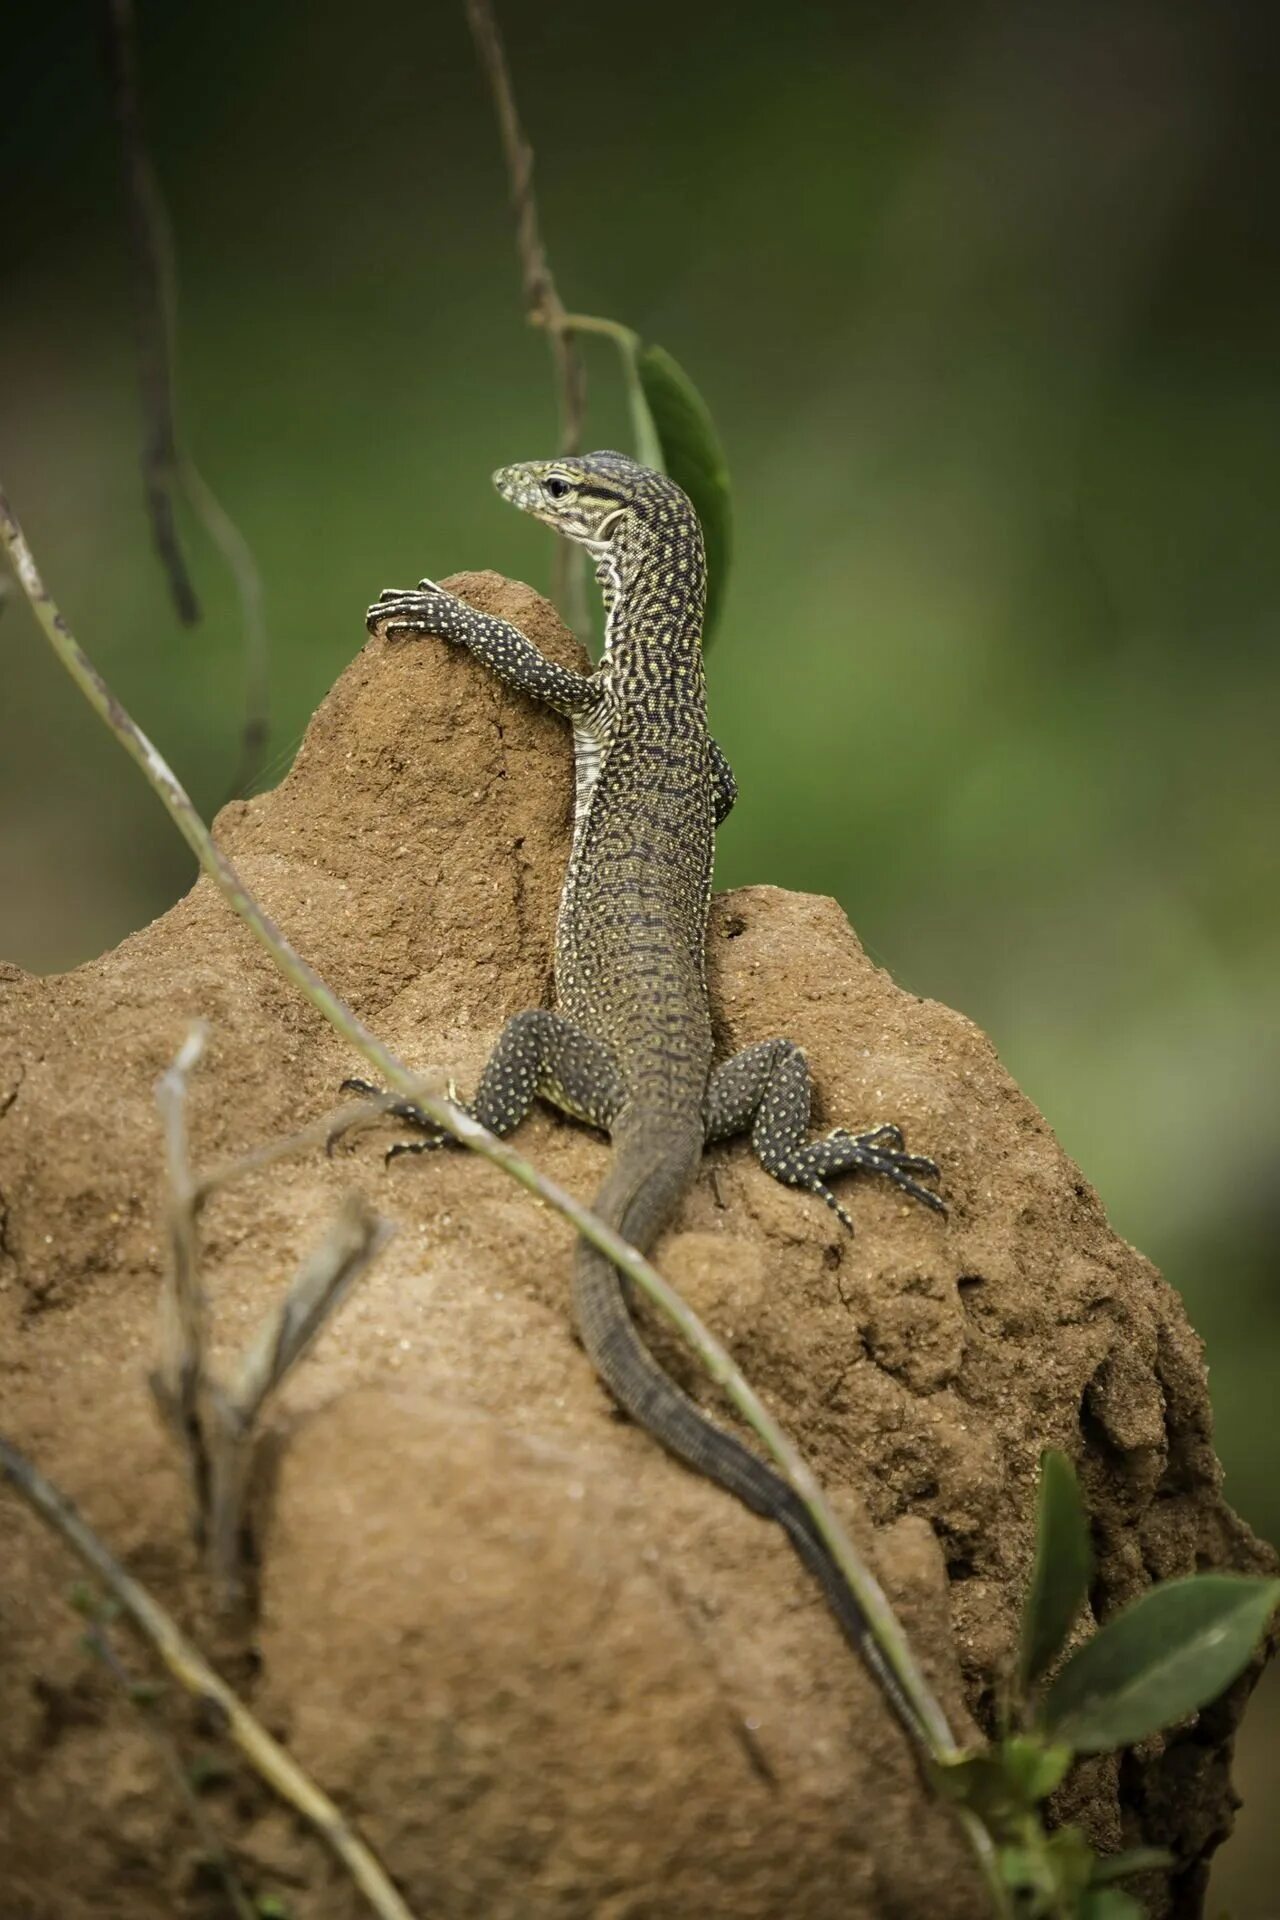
{"x":188,"y":1666}
{"x":628,"y":343}
{"x":932,"y":1730}
{"x":542,"y":297}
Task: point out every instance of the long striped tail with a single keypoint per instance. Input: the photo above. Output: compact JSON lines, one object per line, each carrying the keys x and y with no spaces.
{"x":640,"y":1192}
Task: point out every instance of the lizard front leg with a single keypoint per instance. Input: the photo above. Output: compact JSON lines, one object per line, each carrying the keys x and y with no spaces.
{"x":428,"y":609}
{"x":724,"y":787}
{"x":767,"y":1088}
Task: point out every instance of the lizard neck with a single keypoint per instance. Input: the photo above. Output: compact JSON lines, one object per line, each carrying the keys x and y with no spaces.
{"x":653,"y":579}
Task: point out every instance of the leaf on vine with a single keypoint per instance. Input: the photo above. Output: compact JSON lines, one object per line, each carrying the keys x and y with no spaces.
{"x":1171,"y":1652}
{"x":693,"y":457}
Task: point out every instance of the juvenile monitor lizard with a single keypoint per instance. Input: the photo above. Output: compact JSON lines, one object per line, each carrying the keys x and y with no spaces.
{"x":629,"y":1047}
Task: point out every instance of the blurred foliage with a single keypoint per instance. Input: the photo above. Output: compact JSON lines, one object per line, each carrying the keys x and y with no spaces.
{"x":984,"y":301}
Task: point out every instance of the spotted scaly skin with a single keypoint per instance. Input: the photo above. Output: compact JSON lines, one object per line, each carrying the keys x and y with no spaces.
{"x":629,"y":1047}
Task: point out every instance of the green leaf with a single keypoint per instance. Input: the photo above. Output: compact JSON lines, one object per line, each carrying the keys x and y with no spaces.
{"x":1023,"y":1870}
{"x":1117,"y":1866}
{"x":1174,"y":1650}
{"x":1032,"y":1768}
{"x":1062,"y":1571}
{"x":692,"y":455}
{"x":1108,"y":1903}
{"x":1003,"y":1783}
{"x":1049,"y":1871}
{"x":675,"y":434}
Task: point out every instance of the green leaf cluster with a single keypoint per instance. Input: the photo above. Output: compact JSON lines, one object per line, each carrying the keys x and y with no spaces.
{"x":1169,"y":1654}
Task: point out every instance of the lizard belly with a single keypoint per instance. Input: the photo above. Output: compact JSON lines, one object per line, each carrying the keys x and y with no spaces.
{"x":588,"y":756}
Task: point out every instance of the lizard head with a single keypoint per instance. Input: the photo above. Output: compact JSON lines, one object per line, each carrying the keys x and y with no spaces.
{"x":589,"y":497}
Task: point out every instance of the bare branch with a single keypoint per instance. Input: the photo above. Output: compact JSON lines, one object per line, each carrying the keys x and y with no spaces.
{"x":151,"y":311}
{"x":214,"y":1427}
{"x":171,"y":1757}
{"x":179,"y":1384}
{"x":188,"y":1666}
{"x":542,"y":299}
{"x":355,"y":1239}
{"x":166,"y":469}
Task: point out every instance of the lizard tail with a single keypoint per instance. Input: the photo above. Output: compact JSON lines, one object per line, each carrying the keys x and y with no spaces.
{"x":639,"y":1194}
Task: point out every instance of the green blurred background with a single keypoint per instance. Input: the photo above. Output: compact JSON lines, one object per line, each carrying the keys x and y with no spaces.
{"x":984,"y":300}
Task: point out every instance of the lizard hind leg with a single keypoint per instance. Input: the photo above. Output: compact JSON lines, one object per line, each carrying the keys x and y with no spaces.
{"x":543,"y":1055}
{"x":539,"y":1054}
{"x":767,"y":1090}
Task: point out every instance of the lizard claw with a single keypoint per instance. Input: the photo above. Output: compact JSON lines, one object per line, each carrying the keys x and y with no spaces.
{"x":344,"y":1127}
{"x":879,"y":1151}
{"x":427,"y":1145}
{"x":887,"y":1135}
{"x":420,"y":610}
{"x":403,"y":1109}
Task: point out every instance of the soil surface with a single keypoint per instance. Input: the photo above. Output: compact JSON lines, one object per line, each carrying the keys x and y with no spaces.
{"x":548,"y":1671}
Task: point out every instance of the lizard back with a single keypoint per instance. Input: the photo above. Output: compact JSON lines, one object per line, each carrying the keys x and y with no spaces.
{"x":631,"y":932}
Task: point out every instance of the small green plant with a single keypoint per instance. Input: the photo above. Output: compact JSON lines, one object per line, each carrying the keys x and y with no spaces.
{"x":1166,"y":1656}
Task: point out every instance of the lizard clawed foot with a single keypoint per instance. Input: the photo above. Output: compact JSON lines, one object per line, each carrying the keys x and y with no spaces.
{"x":880,"y":1150}
{"x":426,"y":609}
{"x":888,"y":1135}
{"x":403,"y":1109}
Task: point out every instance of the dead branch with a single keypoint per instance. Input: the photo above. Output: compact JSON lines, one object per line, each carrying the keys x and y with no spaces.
{"x":189,"y":1667}
{"x":542,"y":299}
{"x":323,"y":1282}
{"x":151,"y":307}
{"x":99,"y":1641}
{"x":214,"y":1426}
{"x":166,"y":469}
{"x":179,"y":1382}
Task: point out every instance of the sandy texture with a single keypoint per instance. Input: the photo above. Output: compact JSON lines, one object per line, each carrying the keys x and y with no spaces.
{"x":547,"y":1670}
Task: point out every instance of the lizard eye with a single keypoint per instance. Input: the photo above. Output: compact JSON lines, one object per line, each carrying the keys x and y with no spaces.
{"x":557,"y":487}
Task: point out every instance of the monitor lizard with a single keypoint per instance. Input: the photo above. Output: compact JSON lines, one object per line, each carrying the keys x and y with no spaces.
{"x":629,"y":1047}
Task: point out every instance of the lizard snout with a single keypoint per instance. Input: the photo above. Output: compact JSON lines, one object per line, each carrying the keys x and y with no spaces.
{"x":519,"y":486}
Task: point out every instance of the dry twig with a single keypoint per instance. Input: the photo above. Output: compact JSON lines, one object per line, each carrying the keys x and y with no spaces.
{"x":188,"y":1666}
{"x":179,"y":1383}
{"x":166,"y":470}
{"x":323,"y":1282}
{"x":542,"y":299}
{"x":215,"y":1426}
{"x":151,"y":310}
{"x":99,"y":1640}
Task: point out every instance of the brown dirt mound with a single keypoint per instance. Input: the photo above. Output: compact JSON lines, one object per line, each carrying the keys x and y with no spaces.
{"x":548,"y":1671}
